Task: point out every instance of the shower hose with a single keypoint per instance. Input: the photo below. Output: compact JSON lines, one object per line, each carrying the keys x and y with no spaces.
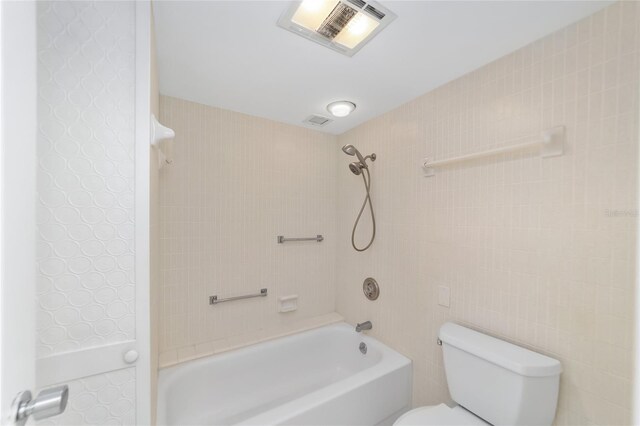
{"x":367,"y":186}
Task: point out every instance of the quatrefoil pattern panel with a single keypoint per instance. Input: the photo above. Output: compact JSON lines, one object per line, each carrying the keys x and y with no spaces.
{"x":105,"y":399}
{"x":86,"y":70}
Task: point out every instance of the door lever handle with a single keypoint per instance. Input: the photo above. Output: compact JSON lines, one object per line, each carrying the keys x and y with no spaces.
{"x":48,"y":403}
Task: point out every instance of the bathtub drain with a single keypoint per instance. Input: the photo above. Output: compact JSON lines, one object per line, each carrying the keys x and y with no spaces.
{"x":363,"y":348}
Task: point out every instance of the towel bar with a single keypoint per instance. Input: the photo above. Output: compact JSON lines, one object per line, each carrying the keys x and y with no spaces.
{"x":213,"y":300}
{"x":282,"y":239}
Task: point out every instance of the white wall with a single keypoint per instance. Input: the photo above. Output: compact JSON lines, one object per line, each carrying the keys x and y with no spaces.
{"x":237,"y":182}
{"x":528,"y":247}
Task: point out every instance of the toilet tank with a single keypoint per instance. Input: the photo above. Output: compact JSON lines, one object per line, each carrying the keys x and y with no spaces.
{"x":502,"y":383}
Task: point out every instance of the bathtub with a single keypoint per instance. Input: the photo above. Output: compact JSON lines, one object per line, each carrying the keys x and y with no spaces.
{"x":318,"y":377}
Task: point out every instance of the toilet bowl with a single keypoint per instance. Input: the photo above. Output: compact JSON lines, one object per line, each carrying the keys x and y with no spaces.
{"x":493,"y":382}
{"x":439,"y":415}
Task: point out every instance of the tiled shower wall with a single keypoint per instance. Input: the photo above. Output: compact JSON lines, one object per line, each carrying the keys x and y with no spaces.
{"x":536,"y":251}
{"x":236,"y":182}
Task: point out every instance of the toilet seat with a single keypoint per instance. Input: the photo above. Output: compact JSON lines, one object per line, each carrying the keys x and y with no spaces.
{"x":439,"y":415}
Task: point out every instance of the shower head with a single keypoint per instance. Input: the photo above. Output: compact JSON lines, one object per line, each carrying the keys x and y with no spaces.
{"x":356,"y":168}
{"x":352,"y":150}
{"x":349,"y":149}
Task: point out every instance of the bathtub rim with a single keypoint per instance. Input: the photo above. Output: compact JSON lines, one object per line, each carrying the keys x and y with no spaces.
{"x":391,"y":361}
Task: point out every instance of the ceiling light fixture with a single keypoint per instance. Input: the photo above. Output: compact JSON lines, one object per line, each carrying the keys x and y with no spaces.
{"x":342,"y":25}
{"x":341,"y":108}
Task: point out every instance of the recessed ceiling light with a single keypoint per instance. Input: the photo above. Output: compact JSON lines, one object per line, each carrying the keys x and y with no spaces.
{"x":341,"y":108}
{"x":341,"y":25}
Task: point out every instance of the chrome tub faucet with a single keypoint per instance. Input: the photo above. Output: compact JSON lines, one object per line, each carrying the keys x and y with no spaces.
{"x":364,"y":326}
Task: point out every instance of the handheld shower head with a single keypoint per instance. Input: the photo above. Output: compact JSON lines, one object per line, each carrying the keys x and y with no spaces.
{"x":352,"y":150}
{"x":360,"y":168}
{"x":349,"y":149}
{"x":356,"y":168}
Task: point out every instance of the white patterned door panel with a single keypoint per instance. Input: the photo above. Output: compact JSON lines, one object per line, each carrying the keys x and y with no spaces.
{"x":86,"y":233}
{"x":106,"y":398}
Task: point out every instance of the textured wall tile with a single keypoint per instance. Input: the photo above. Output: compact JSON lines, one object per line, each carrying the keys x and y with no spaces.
{"x":235,"y":184}
{"x":537,"y":252}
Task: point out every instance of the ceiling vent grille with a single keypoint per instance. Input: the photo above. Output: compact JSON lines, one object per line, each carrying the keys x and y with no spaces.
{"x":341,"y":25}
{"x":317,"y":120}
{"x":339,"y":18}
{"x":375,"y":12}
{"x":357,"y":3}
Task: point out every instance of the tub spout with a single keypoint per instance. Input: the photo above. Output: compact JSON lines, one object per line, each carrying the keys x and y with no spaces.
{"x":364,"y":326}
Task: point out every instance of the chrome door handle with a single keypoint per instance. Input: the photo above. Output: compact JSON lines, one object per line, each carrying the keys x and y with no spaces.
{"x":49,"y":402}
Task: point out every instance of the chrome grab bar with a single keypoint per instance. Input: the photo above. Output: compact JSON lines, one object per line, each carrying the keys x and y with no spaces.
{"x":282,"y":239}
{"x":213,"y":300}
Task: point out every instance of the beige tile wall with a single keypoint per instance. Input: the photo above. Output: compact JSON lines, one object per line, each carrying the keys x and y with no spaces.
{"x":235,"y":184}
{"x":538,"y":252}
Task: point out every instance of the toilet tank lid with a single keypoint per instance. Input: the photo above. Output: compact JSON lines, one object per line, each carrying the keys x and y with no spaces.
{"x":504,"y":354}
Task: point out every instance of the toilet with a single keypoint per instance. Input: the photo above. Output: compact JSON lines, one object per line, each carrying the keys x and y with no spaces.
{"x":492,"y":382}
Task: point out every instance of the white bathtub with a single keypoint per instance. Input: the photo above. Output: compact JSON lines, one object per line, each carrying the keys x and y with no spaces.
{"x":318,"y":377}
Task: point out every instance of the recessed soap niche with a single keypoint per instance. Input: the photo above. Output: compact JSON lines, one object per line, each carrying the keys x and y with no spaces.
{"x":288,"y":303}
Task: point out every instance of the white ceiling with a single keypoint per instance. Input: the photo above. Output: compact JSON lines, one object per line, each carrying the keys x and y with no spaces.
{"x":231,"y":54}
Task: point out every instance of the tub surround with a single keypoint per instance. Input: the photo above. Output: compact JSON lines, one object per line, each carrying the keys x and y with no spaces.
{"x":188,"y":353}
{"x":535,"y":251}
{"x":236,"y":183}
